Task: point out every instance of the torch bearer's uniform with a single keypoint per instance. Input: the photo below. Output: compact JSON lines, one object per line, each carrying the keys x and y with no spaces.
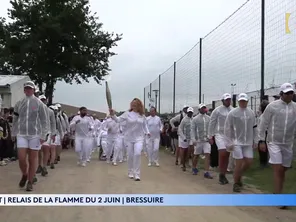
{"x":136,"y":128}
{"x":83,"y":137}
{"x":121,"y":144}
{"x":102,"y":138}
{"x":113,"y":134}
{"x":155,"y":128}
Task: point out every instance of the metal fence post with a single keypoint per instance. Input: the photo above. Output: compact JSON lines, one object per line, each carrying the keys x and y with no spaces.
{"x":159,"y":91}
{"x":174,"y":89}
{"x":200,"y":64}
{"x":144,"y":99}
{"x":262,"y":48}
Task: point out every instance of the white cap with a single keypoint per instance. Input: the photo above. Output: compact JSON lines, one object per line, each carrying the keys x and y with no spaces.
{"x":190,"y":109}
{"x":58,"y":105}
{"x":30,"y":84}
{"x":226,"y":96}
{"x":201,"y":105}
{"x":53,"y":107}
{"x":242,"y":96}
{"x":287,"y":87}
{"x":185,"y":106}
{"x":42,"y":97}
{"x":37,"y":90}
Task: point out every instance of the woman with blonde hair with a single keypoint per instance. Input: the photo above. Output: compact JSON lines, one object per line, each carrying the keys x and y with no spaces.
{"x":136,"y":129}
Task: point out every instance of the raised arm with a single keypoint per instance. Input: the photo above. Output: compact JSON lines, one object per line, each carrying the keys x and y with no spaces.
{"x":123,"y":117}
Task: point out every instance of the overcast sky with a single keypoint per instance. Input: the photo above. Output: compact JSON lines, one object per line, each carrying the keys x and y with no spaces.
{"x":155,"y":34}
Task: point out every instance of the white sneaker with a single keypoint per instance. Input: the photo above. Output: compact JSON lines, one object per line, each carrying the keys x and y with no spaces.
{"x":88,"y":161}
{"x":83,"y":164}
{"x":149,"y":164}
{"x":131,"y":176}
{"x":3,"y":163}
{"x":157,"y":164}
{"x":120,"y":161}
{"x":114,"y":164}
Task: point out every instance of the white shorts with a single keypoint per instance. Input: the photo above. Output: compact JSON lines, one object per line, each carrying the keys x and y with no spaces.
{"x":30,"y":142}
{"x":57,"y":141}
{"x":280,"y":154}
{"x":202,"y":147}
{"x":183,"y":144}
{"x":222,"y":142}
{"x":48,"y":141}
{"x":239,"y":152}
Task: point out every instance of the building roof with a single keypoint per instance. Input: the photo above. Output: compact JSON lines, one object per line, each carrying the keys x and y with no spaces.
{"x":6,"y":80}
{"x":73,"y":110}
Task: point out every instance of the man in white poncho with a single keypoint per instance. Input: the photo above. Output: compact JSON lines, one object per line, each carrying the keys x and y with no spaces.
{"x":279,"y":121}
{"x":241,"y":130}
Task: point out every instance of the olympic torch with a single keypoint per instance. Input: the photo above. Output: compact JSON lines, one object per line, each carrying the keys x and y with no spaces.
{"x":108,"y":94}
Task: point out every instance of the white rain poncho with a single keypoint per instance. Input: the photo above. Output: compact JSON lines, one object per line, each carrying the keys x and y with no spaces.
{"x":217,"y":122}
{"x":84,"y":128}
{"x":97,"y":126}
{"x":200,"y":128}
{"x":30,"y":118}
{"x":136,"y":126}
{"x":240,"y":127}
{"x":52,"y":122}
{"x":155,"y":126}
{"x":279,"y":120}
{"x":184,"y":128}
{"x":177,"y":118}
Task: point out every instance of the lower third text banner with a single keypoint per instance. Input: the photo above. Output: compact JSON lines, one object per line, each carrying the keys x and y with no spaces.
{"x":148,"y":200}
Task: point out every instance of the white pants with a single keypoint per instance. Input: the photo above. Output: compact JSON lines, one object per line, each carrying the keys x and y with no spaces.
{"x":104,"y":145}
{"x":134,"y":150}
{"x":111,"y":143}
{"x":83,"y":147}
{"x":122,"y":148}
{"x":145,"y":144}
{"x":153,"y":149}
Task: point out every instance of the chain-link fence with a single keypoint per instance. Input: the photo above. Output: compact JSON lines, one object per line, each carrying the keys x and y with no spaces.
{"x":253,"y":47}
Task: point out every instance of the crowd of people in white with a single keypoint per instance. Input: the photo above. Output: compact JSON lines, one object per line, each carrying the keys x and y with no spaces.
{"x":38,"y":131}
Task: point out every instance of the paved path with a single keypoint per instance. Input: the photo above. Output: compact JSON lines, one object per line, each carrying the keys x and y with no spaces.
{"x":100,"y":178}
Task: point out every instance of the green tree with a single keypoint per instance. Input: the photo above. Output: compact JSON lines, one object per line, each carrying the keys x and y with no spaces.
{"x":54,"y":40}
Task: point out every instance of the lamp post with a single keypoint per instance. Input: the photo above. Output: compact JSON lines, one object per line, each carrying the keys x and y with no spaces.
{"x":232,"y":88}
